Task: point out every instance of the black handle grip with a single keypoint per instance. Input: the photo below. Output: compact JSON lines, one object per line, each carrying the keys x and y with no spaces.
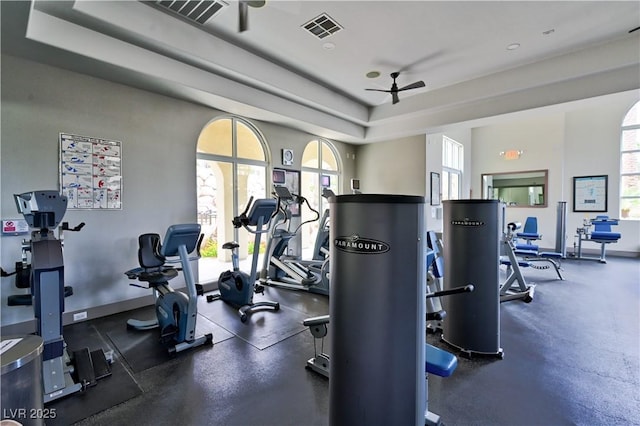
{"x":244,"y":213}
{"x":456,"y":290}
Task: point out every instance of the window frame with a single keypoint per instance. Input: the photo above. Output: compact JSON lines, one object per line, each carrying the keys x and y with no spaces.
{"x":319,"y":170}
{"x":452,"y":164}
{"x":624,"y":128}
{"x":234,"y":160}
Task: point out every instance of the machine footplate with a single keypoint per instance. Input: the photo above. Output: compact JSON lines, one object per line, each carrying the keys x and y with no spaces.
{"x":101,"y":366}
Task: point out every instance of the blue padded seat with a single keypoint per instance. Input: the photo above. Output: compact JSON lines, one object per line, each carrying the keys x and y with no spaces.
{"x":440,"y":362}
{"x":527,"y":247}
{"x":608,"y":236}
{"x":504,"y":260}
{"x":430,"y":257}
{"x":437,"y":261}
{"x":550,"y":254}
{"x":602,"y":229}
{"x":531,"y":253}
{"x":528,"y":235}
{"x":530,"y":231}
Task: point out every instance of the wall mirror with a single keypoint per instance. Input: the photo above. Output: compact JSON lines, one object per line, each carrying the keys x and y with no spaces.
{"x":517,"y":189}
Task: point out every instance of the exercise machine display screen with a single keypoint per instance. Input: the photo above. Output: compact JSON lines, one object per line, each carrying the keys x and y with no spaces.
{"x":279,"y":177}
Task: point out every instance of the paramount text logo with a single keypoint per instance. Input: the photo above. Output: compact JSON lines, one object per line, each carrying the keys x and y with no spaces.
{"x":467,"y":222}
{"x":356,"y":244}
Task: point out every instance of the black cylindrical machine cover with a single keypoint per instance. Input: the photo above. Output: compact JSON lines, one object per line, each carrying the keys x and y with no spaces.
{"x":377,"y":310}
{"x":471,"y":241}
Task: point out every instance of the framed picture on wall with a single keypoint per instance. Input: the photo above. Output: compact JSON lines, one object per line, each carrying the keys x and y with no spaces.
{"x":435,"y":189}
{"x":590,"y":193}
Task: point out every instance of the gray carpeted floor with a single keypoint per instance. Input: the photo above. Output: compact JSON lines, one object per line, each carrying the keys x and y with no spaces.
{"x":572,"y":357}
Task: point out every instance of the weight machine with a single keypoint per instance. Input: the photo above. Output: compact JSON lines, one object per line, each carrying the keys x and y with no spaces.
{"x":438,"y":361}
{"x":62,"y":374}
{"x":601,"y":234}
{"x":514,"y":274}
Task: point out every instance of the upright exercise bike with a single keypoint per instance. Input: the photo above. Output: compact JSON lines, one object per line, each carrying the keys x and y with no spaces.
{"x":236,"y":287}
{"x":176,"y":311}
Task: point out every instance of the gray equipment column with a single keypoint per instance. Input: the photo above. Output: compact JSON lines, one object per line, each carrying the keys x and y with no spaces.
{"x":22,"y":398}
{"x":561,"y":229}
{"x":471,"y":239}
{"x":377,"y":309}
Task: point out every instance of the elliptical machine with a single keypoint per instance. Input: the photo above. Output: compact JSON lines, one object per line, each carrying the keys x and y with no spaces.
{"x":236,"y":287}
{"x":285,"y":271}
{"x":321,"y":245}
{"x":176,"y":312}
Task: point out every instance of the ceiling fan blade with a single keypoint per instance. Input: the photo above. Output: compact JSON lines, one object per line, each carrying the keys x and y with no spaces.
{"x":379,"y":90}
{"x":394,"y":96}
{"x":243,"y":15}
{"x":415,"y":85}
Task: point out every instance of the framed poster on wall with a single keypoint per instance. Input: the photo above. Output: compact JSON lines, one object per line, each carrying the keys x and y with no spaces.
{"x":590,"y":193}
{"x":91,"y":172}
{"x":435,"y":189}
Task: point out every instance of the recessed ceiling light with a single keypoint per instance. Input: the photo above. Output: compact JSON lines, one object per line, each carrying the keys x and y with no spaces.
{"x":329,"y":46}
{"x":513,"y":46}
{"x":373,"y":74}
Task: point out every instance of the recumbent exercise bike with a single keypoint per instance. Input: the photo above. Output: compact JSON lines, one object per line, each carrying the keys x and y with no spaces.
{"x":176,"y":311}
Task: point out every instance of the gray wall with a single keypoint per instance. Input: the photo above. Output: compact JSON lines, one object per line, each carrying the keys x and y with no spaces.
{"x":159,"y":137}
{"x":393,"y":167}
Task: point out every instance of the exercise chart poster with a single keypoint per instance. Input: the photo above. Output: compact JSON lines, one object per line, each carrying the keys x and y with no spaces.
{"x":91,"y":172}
{"x":590,"y":193}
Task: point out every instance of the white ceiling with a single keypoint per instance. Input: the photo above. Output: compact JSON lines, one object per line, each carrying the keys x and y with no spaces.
{"x":278,"y":72}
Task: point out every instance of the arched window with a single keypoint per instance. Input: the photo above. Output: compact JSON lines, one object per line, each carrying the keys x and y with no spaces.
{"x":630,"y":165}
{"x":320,"y":169}
{"x":232,"y":159}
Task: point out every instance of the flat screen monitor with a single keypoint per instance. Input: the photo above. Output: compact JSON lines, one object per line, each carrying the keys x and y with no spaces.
{"x":325,"y":181}
{"x":279,"y":177}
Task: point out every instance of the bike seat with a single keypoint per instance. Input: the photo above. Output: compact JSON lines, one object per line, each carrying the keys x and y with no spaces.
{"x":152,"y":275}
{"x":230,"y":245}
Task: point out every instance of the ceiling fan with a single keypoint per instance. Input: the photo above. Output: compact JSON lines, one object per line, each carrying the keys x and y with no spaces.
{"x":243,"y":12}
{"x":394,"y":87}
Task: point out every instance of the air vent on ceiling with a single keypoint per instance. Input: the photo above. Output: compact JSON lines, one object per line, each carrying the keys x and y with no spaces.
{"x":322,"y":26}
{"x":199,"y":11}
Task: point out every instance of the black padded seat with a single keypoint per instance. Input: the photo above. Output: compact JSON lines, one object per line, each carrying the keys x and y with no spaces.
{"x":152,"y":269}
